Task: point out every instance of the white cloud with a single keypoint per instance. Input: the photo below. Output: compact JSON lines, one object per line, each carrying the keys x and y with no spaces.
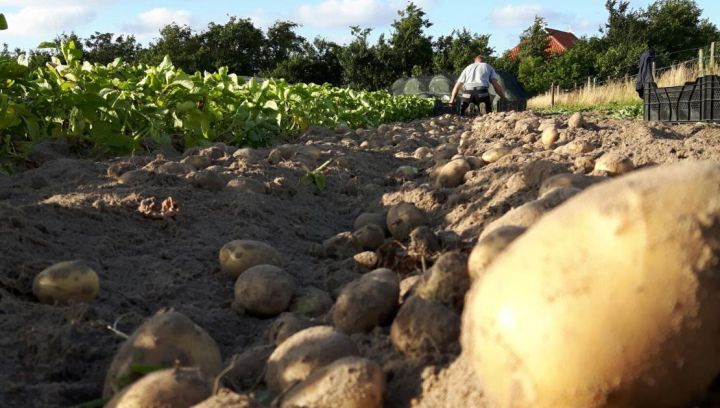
{"x":151,"y":21}
{"x":47,"y":21}
{"x":343,"y":13}
{"x":519,"y":15}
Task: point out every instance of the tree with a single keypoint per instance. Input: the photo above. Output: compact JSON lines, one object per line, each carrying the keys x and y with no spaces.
{"x":359,"y":61}
{"x":624,"y":24}
{"x":282,"y":43}
{"x":319,"y":63}
{"x":532,"y":73}
{"x":454,"y":52}
{"x":237,"y":44}
{"x":576,"y":64}
{"x":105,"y":47}
{"x":534,"y":40}
{"x":677,"y":25}
{"x":411,"y":47}
{"x":182,"y":45}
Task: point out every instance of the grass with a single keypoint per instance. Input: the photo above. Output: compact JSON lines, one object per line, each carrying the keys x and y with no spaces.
{"x":616,"y":97}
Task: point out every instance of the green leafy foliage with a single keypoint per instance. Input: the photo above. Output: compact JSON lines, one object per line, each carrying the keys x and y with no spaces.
{"x":316,"y":177}
{"x":613,"y":110}
{"x":3,"y":22}
{"x":117,"y":107}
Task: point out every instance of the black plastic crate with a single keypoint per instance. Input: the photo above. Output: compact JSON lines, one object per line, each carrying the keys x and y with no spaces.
{"x":692,"y":102}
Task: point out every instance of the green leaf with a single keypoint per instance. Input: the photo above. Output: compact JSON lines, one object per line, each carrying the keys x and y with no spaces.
{"x":48,"y":44}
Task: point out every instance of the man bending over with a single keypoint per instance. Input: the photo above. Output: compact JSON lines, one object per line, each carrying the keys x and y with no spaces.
{"x":475,"y":81}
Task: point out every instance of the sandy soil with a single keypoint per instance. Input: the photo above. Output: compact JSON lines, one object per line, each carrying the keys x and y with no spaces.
{"x":68,"y":208}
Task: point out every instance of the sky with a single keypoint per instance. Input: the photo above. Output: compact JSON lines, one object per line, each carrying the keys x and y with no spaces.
{"x":34,"y":21}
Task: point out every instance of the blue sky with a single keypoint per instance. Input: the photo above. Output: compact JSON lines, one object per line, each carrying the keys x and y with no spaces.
{"x":32,"y":21}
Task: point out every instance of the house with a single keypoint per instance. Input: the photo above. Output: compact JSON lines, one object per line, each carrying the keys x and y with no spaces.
{"x":558,"y":42}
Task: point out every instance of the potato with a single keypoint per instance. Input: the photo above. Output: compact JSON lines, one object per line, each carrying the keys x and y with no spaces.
{"x":614,"y":164}
{"x":611,"y":300}
{"x":264,"y":290}
{"x":579,"y":181}
{"x":208,"y":180}
{"x":447,"y":281}
{"x":134,"y":177}
{"x":350,"y":382}
{"x":370,"y":237}
{"x":474,"y":162}
{"x":575,"y":147}
{"x":452,"y":174}
{"x":228,"y":399}
{"x":367,"y":260}
{"x":549,"y":136}
{"x":423,"y":327}
{"x":245,"y":370}
{"x":342,"y":246}
{"x":245,"y":185}
{"x":166,"y":339}
{"x":197,"y":162}
{"x":172,"y":387}
{"x":422,"y":152}
{"x":116,"y":170}
{"x":174,"y":169}
{"x":576,"y":121}
{"x":488,"y":248}
{"x":403,"y":218}
{"x":495,"y":154}
{"x":304,"y":352}
{"x":367,"y":302}
{"x":66,"y":282}
{"x":281,"y":153}
{"x":248,"y":155}
{"x":445,"y":151}
{"x":237,"y":256}
{"x":311,"y":302}
{"x":285,"y":326}
{"x":377,"y":218}
{"x":423,"y":243}
{"x":407,"y":287}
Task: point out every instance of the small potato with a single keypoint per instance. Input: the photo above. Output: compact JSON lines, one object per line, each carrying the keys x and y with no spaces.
{"x":174,"y":169}
{"x":134,"y":177}
{"x":197,"y":162}
{"x":367,"y":302}
{"x":350,"y":382}
{"x":311,"y":302}
{"x":576,"y":121}
{"x":245,"y":185}
{"x":228,"y":399}
{"x":208,"y":180}
{"x":376,"y":218}
{"x":367,"y":259}
{"x":172,"y":387}
{"x":452,"y":174}
{"x":264,"y":290}
{"x":370,"y":237}
{"x":423,"y":243}
{"x":474,"y":162}
{"x":423,"y":327}
{"x":245,"y":370}
{"x":575,"y":147}
{"x":493,"y":155}
{"x":285,"y":326}
{"x":238,"y":256}
{"x":445,"y":151}
{"x":447,"y":281}
{"x":403,"y":218}
{"x":66,"y":282}
{"x":614,"y":164}
{"x":165,"y":339}
{"x":422,"y":152}
{"x":116,"y":170}
{"x":248,"y":155}
{"x":579,"y":181}
{"x":304,"y":352}
{"x":342,"y":246}
{"x":488,"y":248}
{"x":549,"y":136}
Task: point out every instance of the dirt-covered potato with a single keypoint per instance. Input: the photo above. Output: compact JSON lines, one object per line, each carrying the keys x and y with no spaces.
{"x":172,"y":387}
{"x":495,"y":154}
{"x":576,"y":121}
{"x":245,"y":370}
{"x":370,"y":237}
{"x":367,"y":302}
{"x":226,"y":398}
{"x":445,"y":151}
{"x":422,"y":152}
{"x":611,"y":300}
{"x":281,"y":153}
{"x":350,"y":382}
{"x":311,"y":302}
{"x":174,"y":169}
{"x":614,"y":164}
{"x":549,"y":136}
{"x":197,"y":162}
{"x":489,"y":247}
{"x":66,"y":282}
{"x":403,"y":218}
{"x":447,"y":281}
{"x":367,"y":260}
{"x":377,"y":218}
{"x":245,"y":185}
{"x":248,"y":155}
{"x":134,"y":177}
{"x":575,"y":147}
{"x":452,"y":174}
{"x":579,"y":181}
{"x":208,"y":180}
{"x":166,"y":339}
{"x":304,"y":352}
{"x":423,"y":243}
{"x":342,"y":246}
{"x":285,"y":326}
{"x":239,"y":255}
{"x":424,"y":327}
{"x":264,"y":290}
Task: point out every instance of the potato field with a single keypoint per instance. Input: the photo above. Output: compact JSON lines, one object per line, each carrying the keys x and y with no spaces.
{"x":200,"y":240}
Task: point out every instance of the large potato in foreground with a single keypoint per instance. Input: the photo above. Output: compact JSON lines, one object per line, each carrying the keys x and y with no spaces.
{"x":66,"y":282}
{"x":172,"y":387}
{"x":264,"y":290}
{"x":165,"y":339}
{"x":240,"y":255}
{"x":610,"y":300}
{"x":403,"y":218}
{"x":304,"y":352}
{"x":367,"y":302}
{"x":350,"y":382}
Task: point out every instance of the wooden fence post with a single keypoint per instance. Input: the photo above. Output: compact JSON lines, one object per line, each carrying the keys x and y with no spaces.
{"x":594,"y":83}
{"x":552,"y":95}
{"x":712,"y":56}
{"x":701,"y":63}
{"x":653,"y":72}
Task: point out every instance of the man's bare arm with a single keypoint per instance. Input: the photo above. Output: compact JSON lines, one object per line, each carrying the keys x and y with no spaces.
{"x":455,"y":90}
{"x":498,"y":88}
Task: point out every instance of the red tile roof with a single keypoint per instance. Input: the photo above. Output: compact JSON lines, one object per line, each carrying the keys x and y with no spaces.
{"x":558,"y":42}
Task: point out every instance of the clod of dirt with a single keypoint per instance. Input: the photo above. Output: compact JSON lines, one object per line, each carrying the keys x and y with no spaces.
{"x":304,"y":352}
{"x":367,"y":302}
{"x":351,"y":382}
{"x":447,"y":281}
{"x":423,"y":327}
{"x":423,"y":243}
{"x":245,"y":185}
{"x":245,"y":370}
{"x":264,"y":290}
{"x":576,"y":121}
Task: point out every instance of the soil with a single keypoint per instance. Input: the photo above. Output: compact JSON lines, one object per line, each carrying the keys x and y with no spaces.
{"x":150,"y":256}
